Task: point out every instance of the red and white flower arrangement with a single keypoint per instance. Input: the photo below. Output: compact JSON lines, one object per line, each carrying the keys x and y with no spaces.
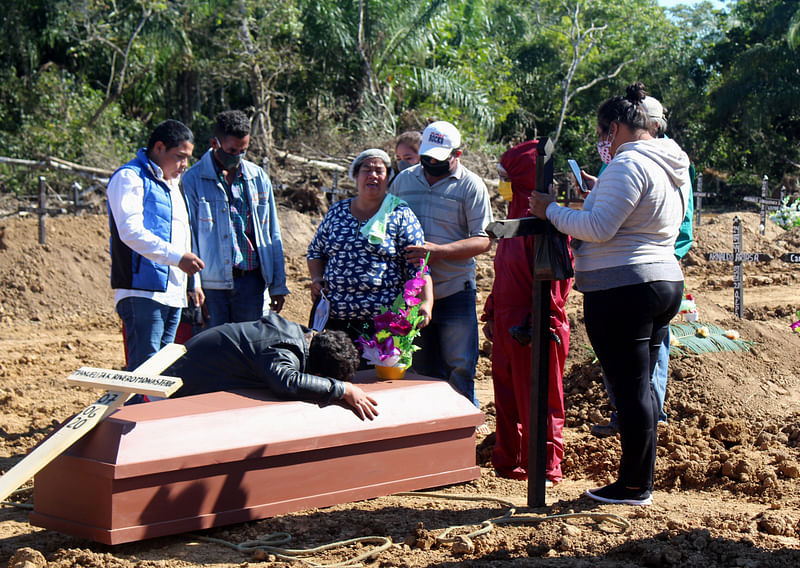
{"x":392,"y":344}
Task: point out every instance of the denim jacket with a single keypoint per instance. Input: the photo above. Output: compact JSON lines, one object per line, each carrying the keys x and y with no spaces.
{"x":211,"y":225}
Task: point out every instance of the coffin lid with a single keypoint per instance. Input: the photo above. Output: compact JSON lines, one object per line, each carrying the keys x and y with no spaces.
{"x":222,"y":427}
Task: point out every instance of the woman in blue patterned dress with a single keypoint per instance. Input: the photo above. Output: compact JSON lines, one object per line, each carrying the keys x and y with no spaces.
{"x":357,"y":256}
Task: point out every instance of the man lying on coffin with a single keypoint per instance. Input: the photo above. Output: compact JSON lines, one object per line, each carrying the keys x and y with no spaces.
{"x":289,"y":360}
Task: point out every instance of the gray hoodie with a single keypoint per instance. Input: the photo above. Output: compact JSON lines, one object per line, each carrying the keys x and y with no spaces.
{"x":627,"y":229}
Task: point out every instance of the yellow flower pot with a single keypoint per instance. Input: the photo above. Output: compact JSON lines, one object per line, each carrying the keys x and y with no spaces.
{"x":390,"y":373}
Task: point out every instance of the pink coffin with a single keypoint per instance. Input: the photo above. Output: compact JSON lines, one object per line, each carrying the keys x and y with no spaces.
{"x":198,"y":462}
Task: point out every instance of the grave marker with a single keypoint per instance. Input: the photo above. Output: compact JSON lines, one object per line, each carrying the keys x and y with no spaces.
{"x":698,"y":199}
{"x":738,"y":257}
{"x":124,"y":384}
{"x":765,"y":203}
{"x":334,"y":190}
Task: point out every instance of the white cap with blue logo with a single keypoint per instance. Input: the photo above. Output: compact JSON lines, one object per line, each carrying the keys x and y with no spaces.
{"x":439,"y":139}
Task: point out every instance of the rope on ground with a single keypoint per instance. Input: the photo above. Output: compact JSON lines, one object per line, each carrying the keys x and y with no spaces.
{"x":17,"y":504}
{"x":509,"y":517}
{"x":270,"y":544}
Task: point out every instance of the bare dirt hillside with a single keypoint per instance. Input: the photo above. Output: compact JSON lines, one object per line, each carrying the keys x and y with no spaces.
{"x":728,"y":470}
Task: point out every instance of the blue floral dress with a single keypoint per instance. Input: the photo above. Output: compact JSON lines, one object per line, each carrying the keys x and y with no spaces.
{"x":362,"y":276}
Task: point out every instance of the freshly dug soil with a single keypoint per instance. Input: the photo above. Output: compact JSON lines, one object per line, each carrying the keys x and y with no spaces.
{"x":727,"y":490}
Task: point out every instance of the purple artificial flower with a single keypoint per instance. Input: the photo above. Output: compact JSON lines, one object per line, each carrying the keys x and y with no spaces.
{"x":389,"y":355}
{"x":411,"y":299}
{"x":414,"y":286}
{"x":400,"y":326}
{"x":385,"y":320}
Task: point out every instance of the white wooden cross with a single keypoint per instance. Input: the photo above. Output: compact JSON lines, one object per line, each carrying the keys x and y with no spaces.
{"x":121,"y":384}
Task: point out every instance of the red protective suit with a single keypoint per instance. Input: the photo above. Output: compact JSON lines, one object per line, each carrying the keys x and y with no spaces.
{"x":509,"y":305}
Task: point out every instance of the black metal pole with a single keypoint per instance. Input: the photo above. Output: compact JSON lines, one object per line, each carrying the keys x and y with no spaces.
{"x":540,"y":351}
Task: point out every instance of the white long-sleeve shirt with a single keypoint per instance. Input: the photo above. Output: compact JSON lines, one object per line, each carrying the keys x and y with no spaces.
{"x":125,"y":199}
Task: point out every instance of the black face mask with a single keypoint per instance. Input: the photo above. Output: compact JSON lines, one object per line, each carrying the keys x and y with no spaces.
{"x":228,"y":161}
{"x":435,"y":170}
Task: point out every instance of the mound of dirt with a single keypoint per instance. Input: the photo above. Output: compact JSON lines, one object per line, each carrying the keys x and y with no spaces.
{"x":728,"y":459}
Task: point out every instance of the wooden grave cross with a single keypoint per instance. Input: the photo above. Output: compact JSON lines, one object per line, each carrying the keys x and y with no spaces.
{"x":540,"y":331}
{"x":121,"y":386}
{"x":698,"y":199}
{"x":334,"y":191}
{"x":738,"y":257}
{"x":765,"y":203}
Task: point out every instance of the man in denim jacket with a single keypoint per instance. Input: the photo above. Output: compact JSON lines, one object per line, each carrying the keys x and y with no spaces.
{"x":235,"y":224}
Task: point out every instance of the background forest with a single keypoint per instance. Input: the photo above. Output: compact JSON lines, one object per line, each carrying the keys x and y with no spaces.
{"x":86,"y":80}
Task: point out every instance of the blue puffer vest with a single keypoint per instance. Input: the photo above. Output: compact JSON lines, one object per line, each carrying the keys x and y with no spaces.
{"x":130,"y":270}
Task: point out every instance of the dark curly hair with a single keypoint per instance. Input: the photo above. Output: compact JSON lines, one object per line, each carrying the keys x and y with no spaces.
{"x":231,"y":123}
{"x":172,"y":133}
{"x":332,"y":354}
{"x":626,"y":110}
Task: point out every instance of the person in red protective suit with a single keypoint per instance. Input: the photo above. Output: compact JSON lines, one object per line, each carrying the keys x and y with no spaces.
{"x":507,"y":314}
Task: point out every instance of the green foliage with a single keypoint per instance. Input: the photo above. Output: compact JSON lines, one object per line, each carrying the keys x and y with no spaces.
{"x":754,"y":95}
{"x":49,"y":118}
{"x":690,"y":341}
{"x":89,"y":78}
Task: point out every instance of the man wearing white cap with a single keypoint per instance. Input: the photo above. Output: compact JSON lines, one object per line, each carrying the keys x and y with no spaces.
{"x":452,"y":204}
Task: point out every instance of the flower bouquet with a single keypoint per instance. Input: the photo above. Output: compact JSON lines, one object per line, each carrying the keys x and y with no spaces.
{"x":391,"y":347}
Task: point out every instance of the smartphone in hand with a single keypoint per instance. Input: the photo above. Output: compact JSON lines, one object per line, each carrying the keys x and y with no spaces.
{"x":576,"y":171}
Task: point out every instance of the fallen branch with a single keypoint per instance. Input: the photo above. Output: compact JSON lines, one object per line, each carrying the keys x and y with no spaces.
{"x":300,"y":160}
{"x":56,"y":164}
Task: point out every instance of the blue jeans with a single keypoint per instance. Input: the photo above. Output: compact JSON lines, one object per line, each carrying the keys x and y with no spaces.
{"x":658,"y":380}
{"x":449,"y":344}
{"x":149,"y":326}
{"x":245,"y":302}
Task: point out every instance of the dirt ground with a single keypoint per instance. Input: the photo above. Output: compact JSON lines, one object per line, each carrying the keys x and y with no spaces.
{"x":727,"y":475}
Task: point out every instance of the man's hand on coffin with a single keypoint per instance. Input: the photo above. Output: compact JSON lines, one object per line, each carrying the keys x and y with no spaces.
{"x":362,"y":404}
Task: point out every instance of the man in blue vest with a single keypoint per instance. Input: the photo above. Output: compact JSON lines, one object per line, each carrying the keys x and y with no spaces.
{"x":151,"y":248}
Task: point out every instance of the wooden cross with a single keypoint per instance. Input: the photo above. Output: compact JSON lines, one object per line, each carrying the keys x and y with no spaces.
{"x":121,"y":384}
{"x":738,"y":257}
{"x":766,"y":203}
{"x":698,"y":199}
{"x":540,"y":331}
{"x":334,"y":190}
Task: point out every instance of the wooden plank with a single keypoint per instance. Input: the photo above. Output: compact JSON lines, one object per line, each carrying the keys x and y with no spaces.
{"x":739,"y":256}
{"x":81,"y":424}
{"x":507,"y":228}
{"x":125,"y":381}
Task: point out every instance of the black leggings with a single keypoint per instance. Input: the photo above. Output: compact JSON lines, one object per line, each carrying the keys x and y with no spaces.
{"x":626,"y":326}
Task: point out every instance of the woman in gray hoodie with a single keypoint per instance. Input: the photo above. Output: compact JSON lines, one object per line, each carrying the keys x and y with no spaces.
{"x":625,"y":266}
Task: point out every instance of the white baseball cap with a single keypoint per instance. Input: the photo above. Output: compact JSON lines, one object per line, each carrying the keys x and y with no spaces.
{"x":439,"y":139}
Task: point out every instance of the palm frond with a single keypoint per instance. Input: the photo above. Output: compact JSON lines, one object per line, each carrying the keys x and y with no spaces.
{"x":690,"y":341}
{"x":452,"y":88}
{"x":793,"y":33}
